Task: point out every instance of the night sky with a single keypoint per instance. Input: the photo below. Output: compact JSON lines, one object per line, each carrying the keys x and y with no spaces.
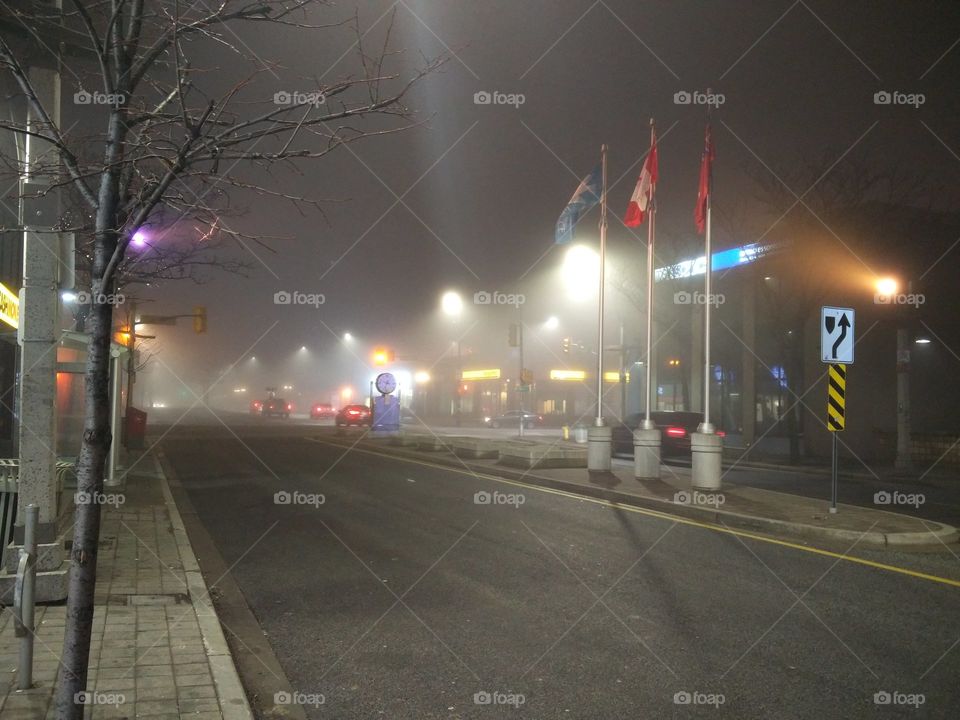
{"x":798,"y":81}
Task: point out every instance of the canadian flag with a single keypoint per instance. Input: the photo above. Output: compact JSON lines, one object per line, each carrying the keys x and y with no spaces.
{"x":641,"y":202}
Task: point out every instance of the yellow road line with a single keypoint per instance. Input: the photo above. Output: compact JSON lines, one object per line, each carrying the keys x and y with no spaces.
{"x":663,"y":516}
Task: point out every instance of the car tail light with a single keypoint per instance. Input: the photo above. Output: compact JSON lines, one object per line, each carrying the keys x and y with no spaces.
{"x":289,"y":406}
{"x":721,"y":433}
{"x":677,"y":432}
{"x":353,"y":412}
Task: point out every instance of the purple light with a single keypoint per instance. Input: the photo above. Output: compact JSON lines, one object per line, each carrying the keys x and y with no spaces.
{"x":139,"y":238}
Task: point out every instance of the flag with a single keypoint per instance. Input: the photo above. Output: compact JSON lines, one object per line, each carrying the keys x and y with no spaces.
{"x":586,"y":196}
{"x":642,"y":199}
{"x":706,"y":181}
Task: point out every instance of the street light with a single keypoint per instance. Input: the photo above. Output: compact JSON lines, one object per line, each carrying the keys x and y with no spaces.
{"x":347,"y":337}
{"x":886,"y":286}
{"x":452,"y":304}
{"x":579,"y":272}
{"x":552,"y":323}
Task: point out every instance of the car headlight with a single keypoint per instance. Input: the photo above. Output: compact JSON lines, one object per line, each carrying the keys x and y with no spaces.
{"x":486,"y":419}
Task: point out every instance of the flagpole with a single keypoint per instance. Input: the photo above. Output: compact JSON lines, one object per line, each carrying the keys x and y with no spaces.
{"x":707,"y":426}
{"x":598,"y":422}
{"x":651,"y":238}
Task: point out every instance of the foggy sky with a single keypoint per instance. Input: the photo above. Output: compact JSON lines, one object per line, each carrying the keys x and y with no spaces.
{"x":798,"y":80}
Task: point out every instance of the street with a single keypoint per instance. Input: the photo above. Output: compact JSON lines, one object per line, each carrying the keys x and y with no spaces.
{"x":396,"y":595}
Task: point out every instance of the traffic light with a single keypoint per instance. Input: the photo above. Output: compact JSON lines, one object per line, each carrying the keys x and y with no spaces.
{"x":382,"y":356}
{"x":199,"y":319}
{"x":514,"y":335}
{"x":122,"y":336}
{"x":565,"y":343}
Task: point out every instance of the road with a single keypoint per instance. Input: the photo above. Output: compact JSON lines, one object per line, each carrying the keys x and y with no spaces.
{"x":935,"y":496}
{"x":401,"y":597}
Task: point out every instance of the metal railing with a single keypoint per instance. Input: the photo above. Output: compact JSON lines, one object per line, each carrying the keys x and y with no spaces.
{"x":23,"y":597}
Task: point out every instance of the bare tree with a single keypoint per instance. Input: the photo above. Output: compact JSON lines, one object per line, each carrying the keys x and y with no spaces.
{"x":169,"y":146}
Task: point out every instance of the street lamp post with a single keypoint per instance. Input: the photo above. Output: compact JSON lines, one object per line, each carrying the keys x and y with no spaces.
{"x":452,"y":305}
{"x":887,"y":289}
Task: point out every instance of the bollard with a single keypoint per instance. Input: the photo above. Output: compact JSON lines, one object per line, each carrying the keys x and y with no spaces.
{"x":706,"y":462}
{"x":599,"y":443}
{"x":23,"y":594}
{"x":646,"y":453}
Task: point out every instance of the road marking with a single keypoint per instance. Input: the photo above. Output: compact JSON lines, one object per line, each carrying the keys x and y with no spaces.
{"x":662,"y":515}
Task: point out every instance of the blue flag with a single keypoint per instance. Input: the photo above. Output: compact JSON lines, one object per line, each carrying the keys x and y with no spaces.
{"x":586,"y":196}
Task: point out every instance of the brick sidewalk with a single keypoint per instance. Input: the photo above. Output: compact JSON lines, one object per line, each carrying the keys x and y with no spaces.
{"x":157,"y":648}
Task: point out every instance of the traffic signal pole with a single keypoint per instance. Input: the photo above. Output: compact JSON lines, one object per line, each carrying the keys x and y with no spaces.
{"x":520,"y":377}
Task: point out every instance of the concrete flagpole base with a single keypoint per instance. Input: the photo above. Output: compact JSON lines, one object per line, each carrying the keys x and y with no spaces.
{"x":599,"y":449}
{"x":646,"y":454}
{"x":707,"y":452}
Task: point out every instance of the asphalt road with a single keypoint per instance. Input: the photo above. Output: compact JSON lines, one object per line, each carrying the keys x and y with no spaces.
{"x":399,"y":596}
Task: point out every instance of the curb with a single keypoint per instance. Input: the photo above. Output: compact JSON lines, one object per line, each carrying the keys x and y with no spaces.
{"x":230,"y":693}
{"x":938,"y":533}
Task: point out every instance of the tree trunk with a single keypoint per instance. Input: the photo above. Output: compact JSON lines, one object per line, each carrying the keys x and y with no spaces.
{"x":86,"y":534}
{"x":96,"y":435}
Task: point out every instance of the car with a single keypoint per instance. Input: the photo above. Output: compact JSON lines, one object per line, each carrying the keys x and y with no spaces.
{"x":358,"y":415}
{"x":276,"y":407}
{"x":322,"y":410}
{"x":256,"y":407}
{"x":675,"y":428}
{"x":512,"y":419}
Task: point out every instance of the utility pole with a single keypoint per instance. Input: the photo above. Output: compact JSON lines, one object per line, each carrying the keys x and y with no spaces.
{"x":39,"y":315}
{"x":520,"y":376}
{"x":131,"y":355}
{"x":903,"y":460}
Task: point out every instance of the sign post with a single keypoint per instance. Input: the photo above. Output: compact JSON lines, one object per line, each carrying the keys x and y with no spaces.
{"x":836,"y":419}
{"x":836,"y":348}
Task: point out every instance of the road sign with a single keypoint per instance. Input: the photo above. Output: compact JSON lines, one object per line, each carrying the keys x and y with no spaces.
{"x":837,"y":398}
{"x":836,"y":335}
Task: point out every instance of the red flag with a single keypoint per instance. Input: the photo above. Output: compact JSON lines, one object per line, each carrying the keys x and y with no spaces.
{"x":706,"y":181}
{"x":641,"y":201}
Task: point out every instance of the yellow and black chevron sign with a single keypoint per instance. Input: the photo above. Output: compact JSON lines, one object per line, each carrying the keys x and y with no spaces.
{"x":837,"y":398}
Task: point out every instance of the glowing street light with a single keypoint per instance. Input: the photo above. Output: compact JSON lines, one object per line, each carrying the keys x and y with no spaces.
{"x":580,"y":271}
{"x":451,"y":303}
{"x":139,"y":239}
{"x":886,"y":286}
{"x":347,"y":337}
{"x":421,"y":377}
{"x":552,"y":323}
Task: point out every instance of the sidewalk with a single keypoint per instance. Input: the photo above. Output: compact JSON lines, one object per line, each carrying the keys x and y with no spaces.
{"x":157,"y":650}
{"x":736,"y":506}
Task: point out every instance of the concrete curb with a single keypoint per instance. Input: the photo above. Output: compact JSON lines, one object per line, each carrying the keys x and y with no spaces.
{"x":938,"y":533}
{"x":230,"y":693}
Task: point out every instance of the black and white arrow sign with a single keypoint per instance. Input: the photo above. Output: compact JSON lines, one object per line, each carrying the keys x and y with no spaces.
{"x":836,"y":335}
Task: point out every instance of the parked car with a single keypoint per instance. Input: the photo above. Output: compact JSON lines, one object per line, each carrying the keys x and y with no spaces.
{"x":256,"y":407}
{"x":358,"y":415}
{"x":512,"y":419}
{"x":675,"y":430}
{"x":322,"y":410}
{"x":276,"y":407}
